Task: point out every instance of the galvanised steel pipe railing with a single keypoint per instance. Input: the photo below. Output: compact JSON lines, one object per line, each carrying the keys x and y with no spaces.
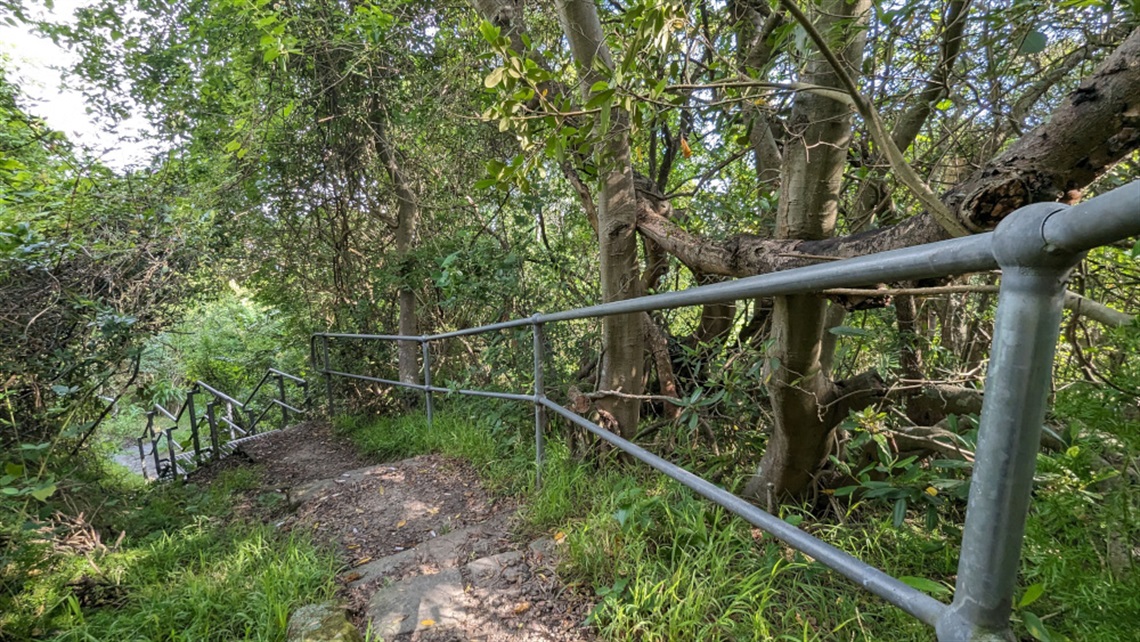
{"x":1036,"y":247}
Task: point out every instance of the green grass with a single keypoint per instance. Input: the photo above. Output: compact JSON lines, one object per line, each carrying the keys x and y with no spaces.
{"x":184,"y":572}
{"x":663,"y":564}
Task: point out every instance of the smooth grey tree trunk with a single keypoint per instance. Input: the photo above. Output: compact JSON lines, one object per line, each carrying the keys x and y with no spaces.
{"x":623,"y":338}
{"x":814,"y":157}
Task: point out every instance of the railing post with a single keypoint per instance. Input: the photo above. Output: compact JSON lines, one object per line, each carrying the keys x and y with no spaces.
{"x":1027,"y":326}
{"x":215,"y":450}
{"x":173,"y":455}
{"x":328,"y":377}
{"x":194,"y":427}
{"x":539,"y":409}
{"x":142,"y":458}
{"x":281,"y":396}
{"x":230,"y":423}
{"x":153,"y":444}
{"x":426,"y":347}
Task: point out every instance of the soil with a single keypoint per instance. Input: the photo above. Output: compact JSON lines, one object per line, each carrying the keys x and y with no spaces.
{"x":429,"y":554}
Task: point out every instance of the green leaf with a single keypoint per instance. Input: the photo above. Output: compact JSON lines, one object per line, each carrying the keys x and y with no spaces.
{"x":899,"y":514}
{"x":923,"y":584}
{"x":1034,"y":42}
{"x":1036,"y":627}
{"x":495,"y":168}
{"x":848,"y":331}
{"x":15,"y":470}
{"x":43,"y":492}
{"x":494,"y":78}
{"x":1031,"y":595}
{"x":600,"y":98}
{"x":486,"y":183}
{"x":489,"y":32}
{"x":601,"y":85}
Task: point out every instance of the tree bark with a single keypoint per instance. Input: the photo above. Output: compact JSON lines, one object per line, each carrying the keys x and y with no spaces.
{"x":623,"y":337}
{"x":407,"y":217}
{"x":814,"y":157}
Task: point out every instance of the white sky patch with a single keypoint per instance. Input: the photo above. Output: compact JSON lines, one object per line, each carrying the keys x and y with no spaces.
{"x":34,"y":63}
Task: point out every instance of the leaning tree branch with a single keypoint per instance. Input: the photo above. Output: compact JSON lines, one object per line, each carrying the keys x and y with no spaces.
{"x":1094,"y":128}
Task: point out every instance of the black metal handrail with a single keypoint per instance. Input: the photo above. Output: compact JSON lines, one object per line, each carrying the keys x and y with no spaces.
{"x":223,"y":429}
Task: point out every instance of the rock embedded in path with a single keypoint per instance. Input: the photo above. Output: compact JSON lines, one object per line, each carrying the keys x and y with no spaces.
{"x":325,"y":622}
{"x":419,"y":602}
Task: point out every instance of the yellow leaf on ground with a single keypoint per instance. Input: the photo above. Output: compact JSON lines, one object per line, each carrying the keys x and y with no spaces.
{"x":522,"y":607}
{"x":427,"y":622}
{"x":402,"y":523}
{"x":559,"y":536}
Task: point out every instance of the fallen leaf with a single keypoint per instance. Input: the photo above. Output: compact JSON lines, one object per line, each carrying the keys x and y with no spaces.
{"x":363,"y":561}
{"x":426,"y":623}
{"x":381,"y":490}
{"x":559,"y":536}
{"x":433,"y":511}
{"x":402,"y":523}
{"x":521,"y":607}
{"x":351,"y":577}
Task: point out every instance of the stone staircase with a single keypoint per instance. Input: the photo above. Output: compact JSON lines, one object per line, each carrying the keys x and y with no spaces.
{"x":470,"y":583}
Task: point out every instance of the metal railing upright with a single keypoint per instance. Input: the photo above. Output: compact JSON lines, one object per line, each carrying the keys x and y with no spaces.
{"x":1036,"y":247}
{"x":241,"y":420}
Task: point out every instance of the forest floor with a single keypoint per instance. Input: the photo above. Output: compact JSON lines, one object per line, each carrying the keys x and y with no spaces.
{"x":428,"y":554}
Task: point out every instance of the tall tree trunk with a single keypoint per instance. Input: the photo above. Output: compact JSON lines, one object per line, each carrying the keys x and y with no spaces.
{"x":623,"y":338}
{"x":407,"y":217}
{"x":814,"y":158}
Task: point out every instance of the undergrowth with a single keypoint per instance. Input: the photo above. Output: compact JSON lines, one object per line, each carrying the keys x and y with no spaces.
{"x":182,"y":571}
{"x":662,"y":564}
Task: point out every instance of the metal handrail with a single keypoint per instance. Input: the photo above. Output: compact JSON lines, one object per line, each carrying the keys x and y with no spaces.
{"x":1036,"y":247}
{"x":219,"y":394}
{"x":173,"y":463}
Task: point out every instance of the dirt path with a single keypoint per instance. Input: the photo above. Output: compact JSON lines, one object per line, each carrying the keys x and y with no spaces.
{"x":429,"y":554}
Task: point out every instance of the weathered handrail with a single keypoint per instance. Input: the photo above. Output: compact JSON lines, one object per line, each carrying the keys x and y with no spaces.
{"x":174,"y":463}
{"x":1035,"y":247}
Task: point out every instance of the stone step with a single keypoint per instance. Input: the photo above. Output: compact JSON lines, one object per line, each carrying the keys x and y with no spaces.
{"x":446,"y":551}
{"x":454,"y":598}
